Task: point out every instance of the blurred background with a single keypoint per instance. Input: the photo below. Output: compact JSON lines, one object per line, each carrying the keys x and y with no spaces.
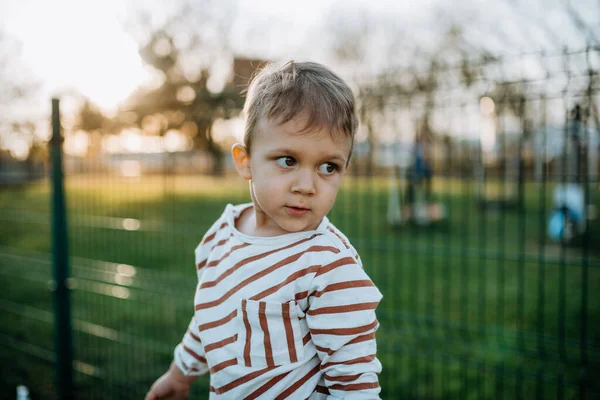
{"x":472,"y":196}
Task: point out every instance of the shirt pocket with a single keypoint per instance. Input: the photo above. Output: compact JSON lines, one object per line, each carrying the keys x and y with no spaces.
{"x":269,"y":333}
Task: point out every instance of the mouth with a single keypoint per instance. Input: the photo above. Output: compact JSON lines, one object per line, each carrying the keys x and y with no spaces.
{"x":297,"y":211}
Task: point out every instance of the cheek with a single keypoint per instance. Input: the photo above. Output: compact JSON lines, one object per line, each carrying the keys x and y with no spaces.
{"x":268,"y":186}
{"x":330,"y":188}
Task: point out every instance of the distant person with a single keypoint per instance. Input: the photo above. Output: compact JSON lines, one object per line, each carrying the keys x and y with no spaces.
{"x":420,"y":174}
{"x":422,"y":167}
{"x":283,"y":307}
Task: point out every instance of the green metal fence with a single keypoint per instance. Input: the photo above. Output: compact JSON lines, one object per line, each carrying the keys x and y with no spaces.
{"x":480,"y":300}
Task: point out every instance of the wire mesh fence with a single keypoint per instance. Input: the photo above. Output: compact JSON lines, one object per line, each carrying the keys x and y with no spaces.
{"x":472,"y":199}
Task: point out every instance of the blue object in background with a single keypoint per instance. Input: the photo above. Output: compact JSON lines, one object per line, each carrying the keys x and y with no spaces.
{"x":568,"y":218}
{"x":556,"y":225}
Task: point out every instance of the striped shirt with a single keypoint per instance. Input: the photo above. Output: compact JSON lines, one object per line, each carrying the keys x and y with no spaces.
{"x":290,"y":316}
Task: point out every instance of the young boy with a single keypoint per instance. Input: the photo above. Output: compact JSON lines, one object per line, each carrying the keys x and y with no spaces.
{"x":283,"y":307}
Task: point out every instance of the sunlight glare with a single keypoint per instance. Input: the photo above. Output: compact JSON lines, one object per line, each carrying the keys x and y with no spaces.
{"x":91,"y":53}
{"x":175,"y":141}
{"x":131,"y":140}
{"x":77,"y":144}
{"x":126,"y":270}
{"x":19,"y":147}
{"x":120,"y":292}
{"x":131,"y":224}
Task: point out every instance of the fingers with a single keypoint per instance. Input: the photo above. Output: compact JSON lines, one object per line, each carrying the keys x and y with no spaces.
{"x":153,"y":394}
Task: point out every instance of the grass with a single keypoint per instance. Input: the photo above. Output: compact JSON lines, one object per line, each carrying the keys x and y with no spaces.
{"x":482,"y":306}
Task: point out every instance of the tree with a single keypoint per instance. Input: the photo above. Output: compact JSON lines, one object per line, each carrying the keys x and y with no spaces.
{"x":16,"y":82}
{"x":18,"y":87}
{"x":185,"y":92}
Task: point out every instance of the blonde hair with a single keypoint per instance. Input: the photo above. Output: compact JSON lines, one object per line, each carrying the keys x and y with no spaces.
{"x":279,"y":93}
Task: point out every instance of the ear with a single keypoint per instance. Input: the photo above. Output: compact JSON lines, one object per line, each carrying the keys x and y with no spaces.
{"x":242,"y":161}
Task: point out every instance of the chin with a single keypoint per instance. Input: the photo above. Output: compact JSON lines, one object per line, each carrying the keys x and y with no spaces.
{"x":293,"y":228}
{"x":302,"y":227}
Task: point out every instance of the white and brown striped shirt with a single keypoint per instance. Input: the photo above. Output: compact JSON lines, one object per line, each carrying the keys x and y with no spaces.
{"x":290,"y":316}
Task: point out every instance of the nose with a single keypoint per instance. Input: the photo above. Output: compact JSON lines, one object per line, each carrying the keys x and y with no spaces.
{"x":304,"y":183}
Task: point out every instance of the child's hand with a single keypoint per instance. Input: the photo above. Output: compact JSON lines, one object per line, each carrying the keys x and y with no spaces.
{"x":172,"y":385}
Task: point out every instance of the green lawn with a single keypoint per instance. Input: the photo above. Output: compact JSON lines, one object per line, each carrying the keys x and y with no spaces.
{"x":482,"y":306}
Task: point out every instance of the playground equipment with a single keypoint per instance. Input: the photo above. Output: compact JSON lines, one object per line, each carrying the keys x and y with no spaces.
{"x":410,"y":194}
{"x":578,"y":148}
{"x":568,"y":218}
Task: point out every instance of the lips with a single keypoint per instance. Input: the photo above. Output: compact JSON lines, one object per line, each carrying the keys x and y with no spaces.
{"x":297,"y":211}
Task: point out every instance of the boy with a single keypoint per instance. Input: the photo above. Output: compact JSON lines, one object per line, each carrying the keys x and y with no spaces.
{"x":283,"y":307}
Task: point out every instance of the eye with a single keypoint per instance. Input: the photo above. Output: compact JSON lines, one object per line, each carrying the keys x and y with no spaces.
{"x":328,"y":168}
{"x":286,"y":161}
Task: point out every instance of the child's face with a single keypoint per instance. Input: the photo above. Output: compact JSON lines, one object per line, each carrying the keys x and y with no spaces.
{"x":295,"y":176}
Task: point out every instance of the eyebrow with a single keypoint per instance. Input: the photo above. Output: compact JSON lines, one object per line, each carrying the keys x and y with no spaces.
{"x":294,"y":153}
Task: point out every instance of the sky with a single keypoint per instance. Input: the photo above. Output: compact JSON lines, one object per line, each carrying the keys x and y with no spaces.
{"x":63,"y":51}
{"x":74,"y":44}
{"x":91,"y":46}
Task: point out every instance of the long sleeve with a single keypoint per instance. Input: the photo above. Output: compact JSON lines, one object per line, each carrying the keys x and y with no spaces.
{"x":342,"y":322}
{"x":189,"y":354}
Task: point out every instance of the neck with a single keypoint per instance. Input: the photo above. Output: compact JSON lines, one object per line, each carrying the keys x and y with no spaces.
{"x":260,"y":222}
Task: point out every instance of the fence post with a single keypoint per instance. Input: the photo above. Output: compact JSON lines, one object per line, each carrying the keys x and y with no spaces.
{"x":60,"y":258}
